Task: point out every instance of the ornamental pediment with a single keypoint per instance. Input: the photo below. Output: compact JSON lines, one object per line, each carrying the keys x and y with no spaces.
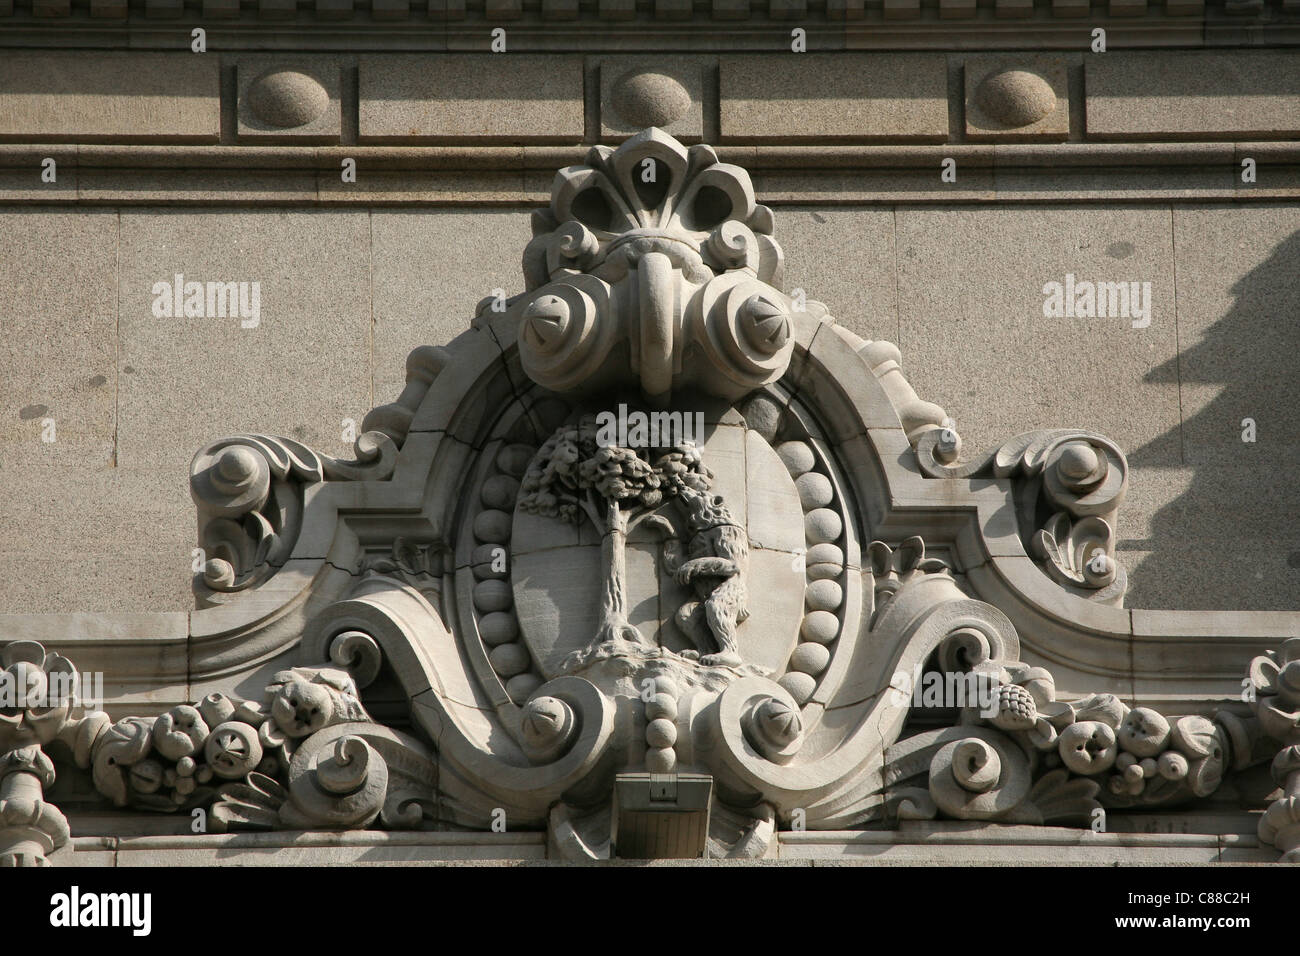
{"x":655,"y":540}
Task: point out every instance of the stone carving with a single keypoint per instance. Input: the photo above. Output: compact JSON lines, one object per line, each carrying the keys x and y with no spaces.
{"x":248,"y":493}
{"x":1077,"y":478}
{"x":394,"y":419}
{"x":485,"y":559}
{"x":286,"y":98}
{"x":644,"y":98}
{"x":183,"y":758}
{"x":683,"y":236}
{"x":41,"y":692}
{"x":1015,"y":98}
{"x":306,"y":756}
{"x":1030,"y":758}
{"x":419,"y":565}
{"x":615,"y":488}
{"x":715,"y":566}
{"x":1274,"y":683}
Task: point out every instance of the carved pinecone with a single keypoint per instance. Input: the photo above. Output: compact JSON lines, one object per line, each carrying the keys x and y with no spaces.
{"x":1016,"y":710}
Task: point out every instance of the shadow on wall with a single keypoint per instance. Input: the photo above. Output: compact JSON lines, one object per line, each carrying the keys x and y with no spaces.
{"x":1231,"y":536}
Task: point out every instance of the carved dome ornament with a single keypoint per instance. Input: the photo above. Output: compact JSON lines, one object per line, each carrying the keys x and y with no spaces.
{"x":1015,"y":97}
{"x":650,"y":516}
{"x":647,"y":98}
{"x":287,"y":98}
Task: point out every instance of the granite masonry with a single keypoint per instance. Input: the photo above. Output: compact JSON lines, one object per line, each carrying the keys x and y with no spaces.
{"x":881,"y":455}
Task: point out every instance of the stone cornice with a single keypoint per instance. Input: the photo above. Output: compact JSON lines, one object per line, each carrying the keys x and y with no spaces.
{"x":660,"y":25}
{"x":496,"y":175}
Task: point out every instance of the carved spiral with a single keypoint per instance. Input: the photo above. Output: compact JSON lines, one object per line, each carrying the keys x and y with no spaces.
{"x":565,"y":333}
{"x":335,"y":781}
{"x":980,"y":777}
{"x":359,"y":653}
{"x":347,"y":768}
{"x":976,"y":765}
{"x":231,"y":480}
{"x":571,"y":246}
{"x":731,"y":245}
{"x":744,"y":329}
{"x":1085,"y":474}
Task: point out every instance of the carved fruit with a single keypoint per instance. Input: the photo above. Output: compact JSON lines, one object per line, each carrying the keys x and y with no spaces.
{"x":1088,"y":747}
{"x":302,"y":708}
{"x":146,"y":776}
{"x":179,"y":732}
{"x":1016,"y":708}
{"x":1193,"y":736}
{"x":1172,"y":765}
{"x":233,"y":749}
{"x":1144,"y":732}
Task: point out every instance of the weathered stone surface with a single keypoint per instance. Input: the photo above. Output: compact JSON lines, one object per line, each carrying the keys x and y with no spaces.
{"x":861,"y":297}
{"x":960,"y":311}
{"x":311,"y":323}
{"x":432,"y":268}
{"x":1237,"y":360}
{"x":128,"y":548}
{"x":1186,"y":94}
{"x":131,"y":97}
{"x":58,"y":369}
{"x":1235,"y":364}
{"x":468,"y":97}
{"x":835,"y":98}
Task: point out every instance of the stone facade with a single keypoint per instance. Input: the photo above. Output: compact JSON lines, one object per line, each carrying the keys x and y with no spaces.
{"x":853,"y":468}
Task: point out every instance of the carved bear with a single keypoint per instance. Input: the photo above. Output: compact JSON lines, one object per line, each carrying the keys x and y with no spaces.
{"x":717,"y":560}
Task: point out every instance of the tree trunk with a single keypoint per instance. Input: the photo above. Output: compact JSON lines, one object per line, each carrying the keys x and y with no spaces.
{"x":613,"y":557}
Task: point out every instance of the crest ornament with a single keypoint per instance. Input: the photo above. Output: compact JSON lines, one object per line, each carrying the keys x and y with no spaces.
{"x":735,"y":619}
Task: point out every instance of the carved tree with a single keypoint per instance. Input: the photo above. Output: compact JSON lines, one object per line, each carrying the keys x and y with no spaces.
{"x":616,"y":488}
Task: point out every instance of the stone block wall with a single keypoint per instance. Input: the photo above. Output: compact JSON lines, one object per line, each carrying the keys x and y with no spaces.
{"x":226,"y":167}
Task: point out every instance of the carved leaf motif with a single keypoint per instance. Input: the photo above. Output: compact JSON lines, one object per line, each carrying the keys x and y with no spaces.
{"x":253,"y":804}
{"x":1059,"y":797}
